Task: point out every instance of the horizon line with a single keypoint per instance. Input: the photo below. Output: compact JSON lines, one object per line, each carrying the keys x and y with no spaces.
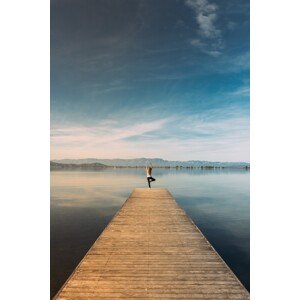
{"x":215,"y":161}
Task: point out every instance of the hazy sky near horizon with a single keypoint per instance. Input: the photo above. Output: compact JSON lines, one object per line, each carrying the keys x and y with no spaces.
{"x":150,"y":78}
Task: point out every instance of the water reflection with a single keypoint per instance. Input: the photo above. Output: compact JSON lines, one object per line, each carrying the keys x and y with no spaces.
{"x":83,"y":202}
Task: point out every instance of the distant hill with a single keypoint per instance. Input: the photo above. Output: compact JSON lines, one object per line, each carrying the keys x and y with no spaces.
{"x":156,"y":162}
{"x":73,"y":166}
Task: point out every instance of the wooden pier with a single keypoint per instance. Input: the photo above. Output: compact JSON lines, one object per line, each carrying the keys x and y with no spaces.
{"x":152,"y":250}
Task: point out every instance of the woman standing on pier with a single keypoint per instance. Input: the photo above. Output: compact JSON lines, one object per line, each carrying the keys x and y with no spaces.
{"x":149,"y":175}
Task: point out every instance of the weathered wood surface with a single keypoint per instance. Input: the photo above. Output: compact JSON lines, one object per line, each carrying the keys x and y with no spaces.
{"x":151,"y":249}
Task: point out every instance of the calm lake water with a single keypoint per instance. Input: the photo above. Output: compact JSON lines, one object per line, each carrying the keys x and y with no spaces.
{"x":83,"y":203}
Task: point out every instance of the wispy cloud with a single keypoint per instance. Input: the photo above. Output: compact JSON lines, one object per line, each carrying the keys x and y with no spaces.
{"x":206,"y":15}
{"x":209,"y":35}
{"x":242,"y":61}
{"x":106,"y":132}
{"x":233,"y":63}
{"x":213,"y":135}
{"x":104,"y":140}
{"x":241,"y":91}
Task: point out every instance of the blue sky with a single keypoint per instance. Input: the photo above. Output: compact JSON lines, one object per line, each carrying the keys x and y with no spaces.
{"x":150,"y":78}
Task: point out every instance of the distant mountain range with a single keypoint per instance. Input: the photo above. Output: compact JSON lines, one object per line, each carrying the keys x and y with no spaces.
{"x":142,"y":162}
{"x":70,"y":166}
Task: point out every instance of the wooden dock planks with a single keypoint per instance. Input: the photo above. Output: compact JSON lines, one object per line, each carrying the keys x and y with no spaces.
{"x":152,"y":250}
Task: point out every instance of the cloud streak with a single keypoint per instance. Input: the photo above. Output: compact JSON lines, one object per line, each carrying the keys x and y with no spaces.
{"x":106,"y":132}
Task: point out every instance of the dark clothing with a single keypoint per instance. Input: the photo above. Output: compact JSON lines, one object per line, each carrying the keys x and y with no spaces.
{"x":150,"y":179}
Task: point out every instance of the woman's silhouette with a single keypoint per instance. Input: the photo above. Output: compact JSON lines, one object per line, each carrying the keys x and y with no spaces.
{"x":149,"y":175}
